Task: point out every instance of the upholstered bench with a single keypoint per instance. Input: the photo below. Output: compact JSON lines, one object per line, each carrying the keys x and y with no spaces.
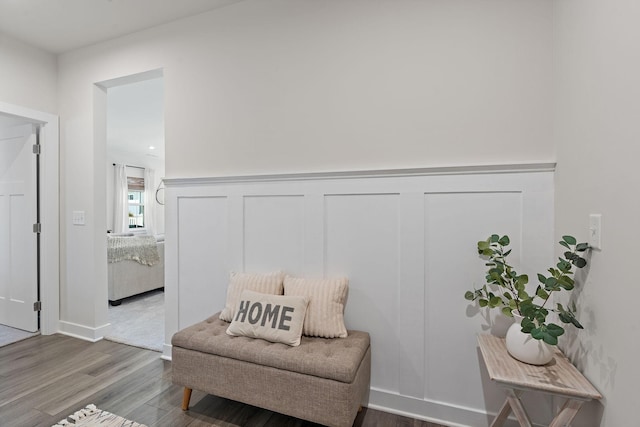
{"x":322,"y":380}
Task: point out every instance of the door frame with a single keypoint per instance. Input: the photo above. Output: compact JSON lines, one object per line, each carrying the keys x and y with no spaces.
{"x":49,"y":213}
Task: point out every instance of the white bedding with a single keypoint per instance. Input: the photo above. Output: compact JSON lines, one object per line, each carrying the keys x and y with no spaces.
{"x":143,"y":249}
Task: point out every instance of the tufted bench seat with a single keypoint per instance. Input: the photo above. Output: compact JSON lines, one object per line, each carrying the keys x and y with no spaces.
{"x":322,"y":380}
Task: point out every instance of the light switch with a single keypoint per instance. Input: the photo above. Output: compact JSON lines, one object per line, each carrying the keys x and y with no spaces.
{"x":595,"y":231}
{"x":78,"y":218}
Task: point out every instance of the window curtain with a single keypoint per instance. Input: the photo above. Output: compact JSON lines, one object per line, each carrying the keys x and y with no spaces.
{"x":120,"y":202}
{"x":150,"y":201}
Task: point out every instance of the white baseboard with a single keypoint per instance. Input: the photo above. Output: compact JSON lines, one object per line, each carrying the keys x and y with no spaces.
{"x":84,"y":332}
{"x":439,"y":412}
{"x":166,"y":352}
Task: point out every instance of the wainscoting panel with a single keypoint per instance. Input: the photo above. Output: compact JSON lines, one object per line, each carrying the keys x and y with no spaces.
{"x":361,"y":241}
{"x":454,"y":222}
{"x":202,"y":256}
{"x":405,"y":239}
{"x":274,"y":233}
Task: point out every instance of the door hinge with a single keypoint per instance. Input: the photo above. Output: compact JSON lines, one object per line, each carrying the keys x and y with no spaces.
{"x":36,"y":148}
{"x":37,"y":227}
{"x":37,"y":306}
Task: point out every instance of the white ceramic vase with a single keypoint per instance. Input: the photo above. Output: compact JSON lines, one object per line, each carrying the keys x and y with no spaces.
{"x":524,"y":347}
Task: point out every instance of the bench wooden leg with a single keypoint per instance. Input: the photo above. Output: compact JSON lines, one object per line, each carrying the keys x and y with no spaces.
{"x":186,"y":398}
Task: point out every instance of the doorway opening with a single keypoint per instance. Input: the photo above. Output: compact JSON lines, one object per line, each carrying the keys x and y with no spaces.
{"x":135,"y":212}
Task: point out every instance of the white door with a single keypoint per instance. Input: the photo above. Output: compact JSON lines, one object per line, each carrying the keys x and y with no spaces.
{"x":18,"y":242}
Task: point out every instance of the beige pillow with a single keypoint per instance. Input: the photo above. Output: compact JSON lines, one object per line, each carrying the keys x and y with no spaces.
{"x":266,"y":283}
{"x":327,"y":299}
{"x":275,"y":318}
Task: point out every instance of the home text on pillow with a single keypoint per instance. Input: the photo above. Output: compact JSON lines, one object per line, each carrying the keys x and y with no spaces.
{"x":269,"y":313}
{"x":275,"y":318}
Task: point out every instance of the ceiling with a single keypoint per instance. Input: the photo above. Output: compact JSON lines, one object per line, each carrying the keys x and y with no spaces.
{"x":135,"y":118}
{"x":135,"y":110}
{"x":58,"y":26}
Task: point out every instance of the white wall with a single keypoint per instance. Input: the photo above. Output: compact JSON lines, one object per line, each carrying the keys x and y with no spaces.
{"x":316,"y":86}
{"x":282,"y":85}
{"x":28,"y":76}
{"x":598,"y":136}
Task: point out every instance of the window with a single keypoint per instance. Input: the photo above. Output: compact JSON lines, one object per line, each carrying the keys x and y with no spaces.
{"x":136,"y":201}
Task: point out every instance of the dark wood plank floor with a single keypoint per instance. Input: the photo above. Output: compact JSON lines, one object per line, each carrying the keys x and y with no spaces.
{"x":45,"y":378}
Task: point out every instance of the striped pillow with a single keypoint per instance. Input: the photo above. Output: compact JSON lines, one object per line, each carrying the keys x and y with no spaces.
{"x":327,"y":299}
{"x":266,"y":283}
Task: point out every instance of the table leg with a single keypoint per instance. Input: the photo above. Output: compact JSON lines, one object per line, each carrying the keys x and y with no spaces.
{"x":567,"y":413}
{"x":502,"y":415}
{"x":518,"y":409}
{"x":514,"y":404}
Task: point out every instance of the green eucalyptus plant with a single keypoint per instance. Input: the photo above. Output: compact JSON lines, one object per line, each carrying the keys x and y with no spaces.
{"x":505,"y":288}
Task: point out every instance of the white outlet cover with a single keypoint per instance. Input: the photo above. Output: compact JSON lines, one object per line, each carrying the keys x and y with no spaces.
{"x":78,"y":218}
{"x":595,"y":231}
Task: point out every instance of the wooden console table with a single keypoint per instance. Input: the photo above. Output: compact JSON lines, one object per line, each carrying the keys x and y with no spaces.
{"x":559,"y":377}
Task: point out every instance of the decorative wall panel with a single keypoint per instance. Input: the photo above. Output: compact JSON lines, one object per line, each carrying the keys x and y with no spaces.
{"x":361,"y":243}
{"x":202,"y":256}
{"x":273,"y":233}
{"x":405,"y":239}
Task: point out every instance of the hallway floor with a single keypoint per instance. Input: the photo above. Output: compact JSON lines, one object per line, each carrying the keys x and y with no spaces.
{"x":10,"y":335}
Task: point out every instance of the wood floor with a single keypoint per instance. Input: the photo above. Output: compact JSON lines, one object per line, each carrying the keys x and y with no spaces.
{"x":45,"y":378}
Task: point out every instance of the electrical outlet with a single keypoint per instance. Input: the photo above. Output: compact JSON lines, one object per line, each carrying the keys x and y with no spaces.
{"x":595,"y":231}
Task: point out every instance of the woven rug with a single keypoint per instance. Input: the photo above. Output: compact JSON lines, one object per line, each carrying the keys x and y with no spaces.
{"x":91,"y":416}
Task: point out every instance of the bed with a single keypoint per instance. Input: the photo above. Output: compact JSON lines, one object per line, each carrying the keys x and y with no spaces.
{"x":135,"y":265}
